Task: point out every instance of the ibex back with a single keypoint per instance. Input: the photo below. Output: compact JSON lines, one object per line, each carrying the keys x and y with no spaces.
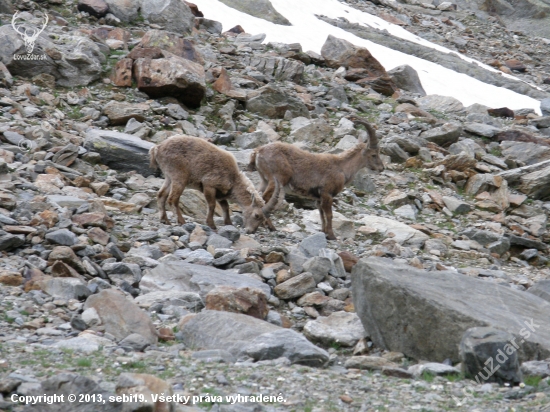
{"x":193,"y":162}
{"x":320,"y":176}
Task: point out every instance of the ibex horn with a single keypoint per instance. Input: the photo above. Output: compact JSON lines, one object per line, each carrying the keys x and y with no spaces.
{"x":373,"y":140}
{"x":268,"y":208}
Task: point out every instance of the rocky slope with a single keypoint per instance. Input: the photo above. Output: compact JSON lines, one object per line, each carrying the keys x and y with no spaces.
{"x":101,"y":300}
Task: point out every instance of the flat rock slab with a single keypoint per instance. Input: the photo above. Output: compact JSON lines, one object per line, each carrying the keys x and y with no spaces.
{"x":120,"y":151}
{"x":424,"y":314}
{"x":121,"y":316}
{"x":404,"y":234}
{"x":188,"y":277}
{"x":243,"y":335}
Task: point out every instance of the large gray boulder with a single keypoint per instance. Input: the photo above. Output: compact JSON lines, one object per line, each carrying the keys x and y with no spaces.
{"x":244,"y":335}
{"x":125,"y":10}
{"x":120,"y":151}
{"x":485,"y":346}
{"x":65,"y":384}
{"x":277,"y":68}
{"x":171,"y":76}
{"x":274,"y":103}
{"x":174,"y":15}
{"x":536,"y":184}
{"x":525,"y":152}
{"x":424,"y":314}
{"x":187,"y":277}
{"x":74,"y":60}
{"x":121,"y":316}
{"x":262,"y":9}
{"x":406,"y":78}
{"x":541,"y":289}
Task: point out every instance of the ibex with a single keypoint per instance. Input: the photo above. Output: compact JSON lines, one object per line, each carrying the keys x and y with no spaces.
{"x":320,"y":176}
{"x":29,"y":35}
{"x":192,"y":162}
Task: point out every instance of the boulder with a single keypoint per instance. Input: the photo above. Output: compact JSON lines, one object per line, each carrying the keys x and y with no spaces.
{"x":248,"y":301}
{"x":120,"y":112}
{"x":480,"y":129}
{"x":65,"y":288}
{"x":525,"y":152}
{"x":536,"y":184}
{"x":306,"y":130}
{"x":406,"y":78}
{"x":444,"y":135}
{"x":262,"y":9}
{"x":243,"y":335}
{"x":446,"y":104}
{"x":483,"y":346}
{"x":188,"y":300}
{"x":340,"y":328}
{"x":171,"y":76}
{"x":187,"y":277}
{"x":273,"y":102}
{"x":170,"y":42}
{"x":403,"y":234}
{"x":425,"y":314}
{"x":65,"y":384}
{"x":339,"y":52}
{"x":277,"y":68}
{"x":125,"y":10}
{"x":120,"y":316}
{"x":173,"y":15}
{"x":120,"y":151}
{"x":541,"y":289}
{"x":96,"y":8}
{"x":296,"y":286}
{"x":72,"y":59}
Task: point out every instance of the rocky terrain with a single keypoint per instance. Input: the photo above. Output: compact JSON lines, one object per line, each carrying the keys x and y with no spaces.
{"x":441,"y":259}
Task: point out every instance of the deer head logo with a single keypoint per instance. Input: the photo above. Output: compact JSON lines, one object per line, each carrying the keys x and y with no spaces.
{"x":29,"y":34}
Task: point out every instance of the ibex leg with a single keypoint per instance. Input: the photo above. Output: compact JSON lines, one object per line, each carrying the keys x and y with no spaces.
{"x":161,"y":200}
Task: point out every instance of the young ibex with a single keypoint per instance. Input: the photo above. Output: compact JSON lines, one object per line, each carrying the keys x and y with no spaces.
{"x":192,"y":162}
{"x":321,"y":176}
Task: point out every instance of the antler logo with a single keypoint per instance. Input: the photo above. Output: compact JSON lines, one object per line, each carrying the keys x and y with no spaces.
{"x":28,"y":33}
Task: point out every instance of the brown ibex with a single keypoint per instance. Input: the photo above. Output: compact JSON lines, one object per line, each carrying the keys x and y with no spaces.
{"x":192,"y":162}
{"x":318,"y":175}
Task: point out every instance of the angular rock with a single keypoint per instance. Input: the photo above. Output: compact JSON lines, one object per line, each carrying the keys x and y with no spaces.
{"x":262,"y":9}
{"x":446,"y":104}
{"x":125,"y":10}
{"x":536,"y":184}
{"x":455,"y":205}
{"x":404,"y":234}
{"x":525,"y":152}
{"x":171,"y":76}
{"x":339,"y":52}
{"x":96,"y":8}
{"x":8,"y":242}
{"x":296,"y":286}
{"x":120,"y":112}
{"x":444,"y":135}
{"x":341,"y":328}
{"x":406,"y":78}
{"x":173,"y":15}
{"x":306,"y":130}
{"x":248,"y":301}
{"x":244,"y":335}
{"x":482,"y":345}
{"x":272,"y":102}
{"x":65,"y":288}
{"x":121,"y":317}
{"x":62,"y":237}
{"x":481,"y":129}
{"x":170,"y":42}
{"x":450,"y":303}
{"x":74,"y":60}
{"x":312,"y":245}
{"x":120,"y":151}
{"x":541,"y":289}
{"x":65,"y":384}
{"x":187,"y":277}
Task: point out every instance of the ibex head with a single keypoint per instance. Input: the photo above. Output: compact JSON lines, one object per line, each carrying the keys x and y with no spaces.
{"x":29,"y":34}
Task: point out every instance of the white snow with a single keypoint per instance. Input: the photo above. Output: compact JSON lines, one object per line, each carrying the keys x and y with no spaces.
{"x":312,"y":33}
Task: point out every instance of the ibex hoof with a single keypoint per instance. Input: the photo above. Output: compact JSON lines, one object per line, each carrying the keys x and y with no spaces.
{"x":331,"y":237}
